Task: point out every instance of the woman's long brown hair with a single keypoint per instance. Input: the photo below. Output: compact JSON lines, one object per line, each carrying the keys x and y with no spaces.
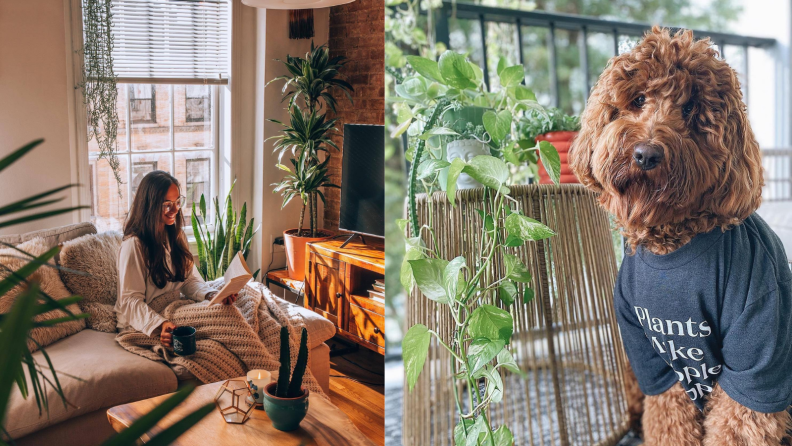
{"x":145,"y":222}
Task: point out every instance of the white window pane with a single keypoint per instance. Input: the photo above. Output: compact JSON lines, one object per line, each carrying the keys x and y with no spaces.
{"x":149,"y":112}
{"x":192,"y":116}
{"x":110,"y":209}
{"x":194,"y":172}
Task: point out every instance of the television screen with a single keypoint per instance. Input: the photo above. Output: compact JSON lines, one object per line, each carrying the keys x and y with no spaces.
{"x":363,"y":180}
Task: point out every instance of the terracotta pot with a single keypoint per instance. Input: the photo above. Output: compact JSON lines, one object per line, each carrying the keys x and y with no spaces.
{"x":561,"y":141}
{"x":295,"y":250}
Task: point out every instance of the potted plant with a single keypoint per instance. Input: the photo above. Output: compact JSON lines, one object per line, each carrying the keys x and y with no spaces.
{"x":312,"y":79}
{"x":215,"y":254}
{"x":557,"y":128}
{"x":286,"y":401}
{"x":454,"y":83}
{"x":305,"y":181}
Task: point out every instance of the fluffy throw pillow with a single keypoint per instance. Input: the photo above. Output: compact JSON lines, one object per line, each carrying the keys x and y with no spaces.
{"x":90,"y":270}
{"x":50,"y":283}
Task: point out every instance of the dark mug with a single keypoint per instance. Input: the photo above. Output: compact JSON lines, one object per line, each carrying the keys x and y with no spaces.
{"x":184,"y":340}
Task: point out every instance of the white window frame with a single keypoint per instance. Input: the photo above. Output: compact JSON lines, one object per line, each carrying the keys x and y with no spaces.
{"x":228,"y":107}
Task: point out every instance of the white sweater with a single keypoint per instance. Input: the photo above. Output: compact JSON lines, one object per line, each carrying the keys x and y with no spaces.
{"x":136,"y":290}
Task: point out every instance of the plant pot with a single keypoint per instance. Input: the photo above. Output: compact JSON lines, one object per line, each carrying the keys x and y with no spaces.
{"x":467,"y":149}
{"x":295,"y":250}
{"x":285,"y":413}
{"x":457,"y":119}
{"x":561,"y":141}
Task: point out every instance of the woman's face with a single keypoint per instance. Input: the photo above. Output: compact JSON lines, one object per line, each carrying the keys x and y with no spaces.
{"x":169,"y":214}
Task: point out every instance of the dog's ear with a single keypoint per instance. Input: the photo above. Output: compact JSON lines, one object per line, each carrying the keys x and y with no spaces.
{"x":738,"y":191}
{"x":593,"y":120}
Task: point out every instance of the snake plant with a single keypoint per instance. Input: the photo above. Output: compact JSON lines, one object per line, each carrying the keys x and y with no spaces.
{"x":216,"y":253}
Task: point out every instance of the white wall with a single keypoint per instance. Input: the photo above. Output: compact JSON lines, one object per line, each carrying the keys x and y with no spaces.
{"x":34,"y":104}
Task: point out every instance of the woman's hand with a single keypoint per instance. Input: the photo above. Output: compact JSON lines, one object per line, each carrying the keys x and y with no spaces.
{"x":230,"y":299}
{"x":166,"y":335}
{"x":227,"y":301}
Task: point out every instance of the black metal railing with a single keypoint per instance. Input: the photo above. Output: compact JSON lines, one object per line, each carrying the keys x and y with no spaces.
{"x":581,"y":24}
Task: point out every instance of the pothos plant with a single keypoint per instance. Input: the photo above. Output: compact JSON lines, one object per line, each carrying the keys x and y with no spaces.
{"x":453,"y":82}
{"x":483,"y":329}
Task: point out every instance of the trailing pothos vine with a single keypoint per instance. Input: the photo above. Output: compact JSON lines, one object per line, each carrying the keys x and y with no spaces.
{"x":99,"y":81}
{"x":482,"y":327}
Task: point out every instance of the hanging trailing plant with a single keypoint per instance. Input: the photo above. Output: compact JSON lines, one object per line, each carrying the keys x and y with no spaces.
{"x":99,"y":81}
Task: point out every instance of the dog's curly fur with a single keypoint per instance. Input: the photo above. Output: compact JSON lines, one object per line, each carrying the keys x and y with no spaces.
{"x":710,"y":177}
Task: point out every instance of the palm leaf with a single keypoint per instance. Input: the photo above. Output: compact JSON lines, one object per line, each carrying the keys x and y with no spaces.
{"x":19,"y":153}
{"x":13,"y":339}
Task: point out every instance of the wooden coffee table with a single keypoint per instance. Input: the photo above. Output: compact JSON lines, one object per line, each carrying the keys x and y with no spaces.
{"x":324,"y":425}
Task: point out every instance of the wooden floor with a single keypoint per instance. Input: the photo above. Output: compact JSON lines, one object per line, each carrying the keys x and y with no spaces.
{"x":362,"y":397}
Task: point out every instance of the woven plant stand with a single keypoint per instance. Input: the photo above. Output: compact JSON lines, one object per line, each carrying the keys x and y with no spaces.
{"x":566,"y":338}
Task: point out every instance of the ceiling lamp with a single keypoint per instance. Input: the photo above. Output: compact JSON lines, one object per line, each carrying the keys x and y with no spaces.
{"x":294,"y":4}
{"x":301,"y":19}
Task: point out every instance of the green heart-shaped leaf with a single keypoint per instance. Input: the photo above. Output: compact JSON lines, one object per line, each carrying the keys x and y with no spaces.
{"x":497,"y":125}
{"x":426,"y":68}
{"x":527,"y":228}
{"x":512,"y":76}
{"x":550,"y":160}
{"x":515,"y":270}
{"x":415,"y":347}
{"x":488,"y":321}
{"x":428,"y":274}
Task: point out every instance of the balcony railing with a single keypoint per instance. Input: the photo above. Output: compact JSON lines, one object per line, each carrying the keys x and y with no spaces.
{"x":583,"y":26}
{"x":777,"y":165}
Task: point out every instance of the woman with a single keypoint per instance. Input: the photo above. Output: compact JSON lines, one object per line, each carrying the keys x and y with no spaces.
{"x":155,"y":258}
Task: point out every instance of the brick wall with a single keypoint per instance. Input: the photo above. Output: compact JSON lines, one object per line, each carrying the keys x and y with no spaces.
{"x":357,"y":31}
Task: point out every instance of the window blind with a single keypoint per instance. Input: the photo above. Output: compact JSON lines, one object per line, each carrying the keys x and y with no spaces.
{"x":171,"y":41}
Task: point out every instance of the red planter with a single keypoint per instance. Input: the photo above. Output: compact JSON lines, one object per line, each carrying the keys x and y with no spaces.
{"x":561,"y":141}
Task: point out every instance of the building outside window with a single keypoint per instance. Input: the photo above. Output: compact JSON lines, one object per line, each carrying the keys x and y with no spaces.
{"x":169,"y":95}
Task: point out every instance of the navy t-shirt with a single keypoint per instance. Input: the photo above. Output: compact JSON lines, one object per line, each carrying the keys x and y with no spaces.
{"x":718,"y":309}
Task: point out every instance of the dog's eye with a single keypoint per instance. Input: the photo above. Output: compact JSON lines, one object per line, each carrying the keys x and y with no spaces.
{"x":687,"y":109}
{"x":639,"y":101}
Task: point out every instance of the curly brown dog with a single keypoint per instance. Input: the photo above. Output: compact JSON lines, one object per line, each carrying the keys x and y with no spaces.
{"x":703,"y":299}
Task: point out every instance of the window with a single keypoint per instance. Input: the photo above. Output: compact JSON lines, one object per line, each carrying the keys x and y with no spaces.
{"x":197,"y":182}
{"x":143,"y":103}
{"x":171,"y":59}
{"x":139,"y":170}
{"x":196,"y":104}
{"x":187,"y":150}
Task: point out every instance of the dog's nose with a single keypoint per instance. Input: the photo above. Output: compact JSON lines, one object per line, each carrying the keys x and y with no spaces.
{"x":647,"y":156}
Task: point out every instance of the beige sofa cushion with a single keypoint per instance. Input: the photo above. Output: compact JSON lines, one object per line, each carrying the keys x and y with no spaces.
{"x":110,"y":376}
{"x":51,"y":284}
{"x":52,"y":236}
{"x":95,"y":255}
{"x":319,"y":328}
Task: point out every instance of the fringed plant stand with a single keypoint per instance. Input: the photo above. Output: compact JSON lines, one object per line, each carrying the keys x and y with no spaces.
{"x":566,"y":338}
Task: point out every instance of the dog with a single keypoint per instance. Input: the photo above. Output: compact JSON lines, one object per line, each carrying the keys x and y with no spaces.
{"x":703,"y":298}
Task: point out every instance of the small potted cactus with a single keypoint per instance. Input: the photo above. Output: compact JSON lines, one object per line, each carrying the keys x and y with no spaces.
{"x":286,"y":401}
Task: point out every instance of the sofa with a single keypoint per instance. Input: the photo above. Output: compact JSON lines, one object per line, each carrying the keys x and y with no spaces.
{"x":107,"y":375}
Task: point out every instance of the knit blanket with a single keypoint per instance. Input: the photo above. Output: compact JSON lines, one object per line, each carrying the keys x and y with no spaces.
{"x":230,"y":339}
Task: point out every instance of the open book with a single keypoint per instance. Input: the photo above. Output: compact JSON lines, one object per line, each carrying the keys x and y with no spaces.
{"x":236,"y":276}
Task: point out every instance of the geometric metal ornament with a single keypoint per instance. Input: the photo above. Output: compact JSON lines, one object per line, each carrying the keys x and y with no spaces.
{"x":232,"y":403}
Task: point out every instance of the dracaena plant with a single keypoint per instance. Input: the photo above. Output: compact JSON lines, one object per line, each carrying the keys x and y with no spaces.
{"x":313,"y":79}
{"x":305,"y":181}
{"x":15,"y":327}
{"x":483,"y":330}
{"x":453,"y":82}
{"x":215,"y":254}
{"x":306,"y":130}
